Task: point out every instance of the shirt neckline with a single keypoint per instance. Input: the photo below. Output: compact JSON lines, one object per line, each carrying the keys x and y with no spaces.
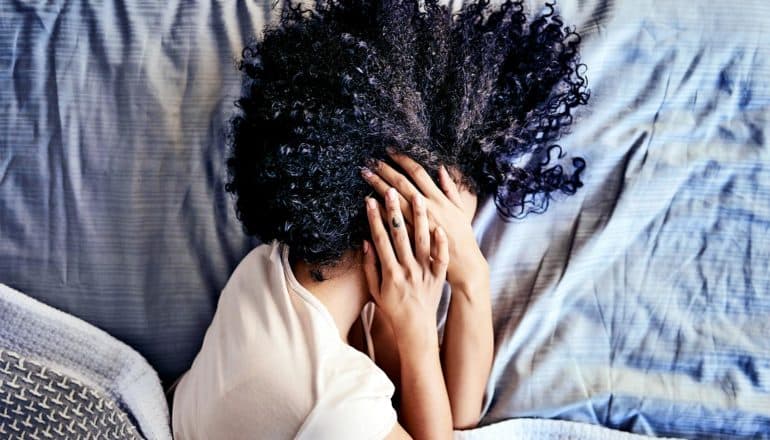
{"x":314,"y":302}
{"x":306,"y":295}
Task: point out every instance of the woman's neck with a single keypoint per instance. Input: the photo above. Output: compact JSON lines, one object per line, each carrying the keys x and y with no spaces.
{"x":343,"y":293}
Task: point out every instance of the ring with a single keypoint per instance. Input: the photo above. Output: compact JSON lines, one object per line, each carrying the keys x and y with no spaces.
{"x":395,"y":222}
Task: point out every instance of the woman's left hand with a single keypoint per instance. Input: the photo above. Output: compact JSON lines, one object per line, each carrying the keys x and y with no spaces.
{"x":447,"y":207}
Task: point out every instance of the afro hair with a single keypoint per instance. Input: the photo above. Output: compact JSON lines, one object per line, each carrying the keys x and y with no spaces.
{"x":328,"y":88}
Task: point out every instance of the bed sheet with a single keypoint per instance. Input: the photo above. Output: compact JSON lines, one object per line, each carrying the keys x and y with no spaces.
{"x":112,"y":201}
{"x":641,"y":303}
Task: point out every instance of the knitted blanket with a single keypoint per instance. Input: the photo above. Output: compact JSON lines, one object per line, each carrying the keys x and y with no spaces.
{"x":61,"y":377}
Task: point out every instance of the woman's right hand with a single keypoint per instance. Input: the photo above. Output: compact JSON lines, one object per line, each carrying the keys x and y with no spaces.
{"x":407,"y":287}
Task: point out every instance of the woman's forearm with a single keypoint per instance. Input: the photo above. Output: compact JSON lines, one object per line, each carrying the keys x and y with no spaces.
{"x":467,"y":349}
{"x":425,"y":409}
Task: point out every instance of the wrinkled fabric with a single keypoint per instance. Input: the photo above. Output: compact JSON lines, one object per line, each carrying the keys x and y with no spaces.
{"x":641,"y":303}
{"x":544,"y":429}
{"x":112,"y":201}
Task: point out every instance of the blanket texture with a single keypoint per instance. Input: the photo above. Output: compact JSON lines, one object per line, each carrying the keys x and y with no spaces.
{"x":61,"y":377}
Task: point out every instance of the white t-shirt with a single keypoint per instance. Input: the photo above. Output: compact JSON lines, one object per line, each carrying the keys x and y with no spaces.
{"x":273,"y":366}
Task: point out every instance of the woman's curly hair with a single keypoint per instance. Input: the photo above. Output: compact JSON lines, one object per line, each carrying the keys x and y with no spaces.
{"x":329,"y":88}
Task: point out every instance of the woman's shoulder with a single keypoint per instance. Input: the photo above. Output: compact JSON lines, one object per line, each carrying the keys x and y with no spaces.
{"x":254,"y":267}
{"x":260,"y":256}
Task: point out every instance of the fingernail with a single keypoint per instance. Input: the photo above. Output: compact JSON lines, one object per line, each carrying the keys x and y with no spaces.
{"x":366,"y":246}
{"x":371,"y":203}
{"x":366,"y":172}
{"x":392,"y":194}
{"x":390,"y":150}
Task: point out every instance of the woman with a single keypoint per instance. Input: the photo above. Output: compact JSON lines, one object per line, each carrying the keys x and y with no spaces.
{"x":365,"y":132}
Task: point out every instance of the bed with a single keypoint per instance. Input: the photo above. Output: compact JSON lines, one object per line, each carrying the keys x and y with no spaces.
{"x":642,"y":303}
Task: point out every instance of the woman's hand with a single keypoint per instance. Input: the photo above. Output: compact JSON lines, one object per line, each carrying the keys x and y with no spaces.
{"x":447,"y":208}
{"x":408,"y":286}
{"x":468,"y":337}
{"x":407,"y":289}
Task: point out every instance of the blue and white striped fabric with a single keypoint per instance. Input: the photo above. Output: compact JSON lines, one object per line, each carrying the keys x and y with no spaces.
{"x":642,"y":303}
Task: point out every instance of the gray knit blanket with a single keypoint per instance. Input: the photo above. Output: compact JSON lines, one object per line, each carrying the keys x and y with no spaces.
{"x":62,"y":378}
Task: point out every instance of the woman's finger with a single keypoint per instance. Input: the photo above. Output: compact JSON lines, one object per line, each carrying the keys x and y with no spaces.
{"x":449,"y":186}
{"x":370,"y":270}
{"x":439,"y":253}
{"x":381,"y":187}
{"x":397,"y":180}
{"x":398,"y":232}
{"x":421,"y":232}
{"x":380,"y":237}
{"x":409,"y":229}
{"x":424,"y":182}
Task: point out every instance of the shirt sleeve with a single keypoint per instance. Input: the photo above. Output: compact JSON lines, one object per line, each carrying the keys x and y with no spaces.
{"x":355,"y":404}
{"x":355,"y":418}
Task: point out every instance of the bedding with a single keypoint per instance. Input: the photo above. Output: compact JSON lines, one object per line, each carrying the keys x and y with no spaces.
{"x":544,"y":429}
{"x":61,"y":377}
{"x":640,"y":304}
